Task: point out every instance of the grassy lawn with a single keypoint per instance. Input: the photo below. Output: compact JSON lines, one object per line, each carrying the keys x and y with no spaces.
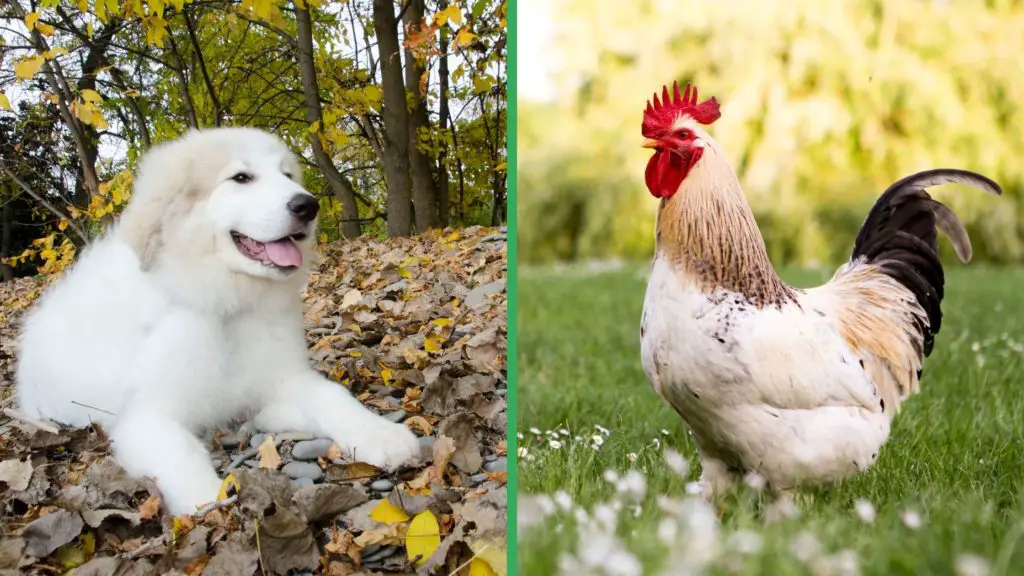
{"x":944,"y":497}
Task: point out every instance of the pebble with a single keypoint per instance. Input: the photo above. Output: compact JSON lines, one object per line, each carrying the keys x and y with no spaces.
{"x":230,"y":441}
{"x":252,"y":463}
{"x":296,"y":470}
{"x":311,"y":449}
{"x":382,"y":553}
{"x":301,"y":482}
{"x":396,"y":416}
{"x":256,"y":440}
{"x":382,"y":485}
{"x":478,"y":478}
{"x":490,"y":458}
{"x":498,"y":465}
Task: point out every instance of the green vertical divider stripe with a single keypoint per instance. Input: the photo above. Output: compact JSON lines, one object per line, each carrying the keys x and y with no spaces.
{"x":513,"y":291}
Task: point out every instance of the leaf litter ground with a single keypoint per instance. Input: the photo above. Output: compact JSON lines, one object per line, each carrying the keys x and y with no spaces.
{"x":415,"y":328}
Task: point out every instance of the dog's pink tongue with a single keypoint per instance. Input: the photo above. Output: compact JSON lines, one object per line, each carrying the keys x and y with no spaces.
{"x":284,"y":253}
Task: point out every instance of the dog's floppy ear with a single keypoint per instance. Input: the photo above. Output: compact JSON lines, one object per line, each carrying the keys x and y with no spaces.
{"x":163,"y":180}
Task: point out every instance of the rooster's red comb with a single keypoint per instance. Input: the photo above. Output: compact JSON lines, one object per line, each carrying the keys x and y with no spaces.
{"x":661,"y":115}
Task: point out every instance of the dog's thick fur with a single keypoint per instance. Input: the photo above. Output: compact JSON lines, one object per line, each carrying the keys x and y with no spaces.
{"x":164,"y":328}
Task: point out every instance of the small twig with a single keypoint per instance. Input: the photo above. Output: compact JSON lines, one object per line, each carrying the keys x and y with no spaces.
{"x":19,"y":415}
{"x":468,"y":562}
{"x":155,"y":542}
{"x":92,"y":408}
{"x":216,"y":506}
{"x":259,"y":550}
{"x":242,"y":457}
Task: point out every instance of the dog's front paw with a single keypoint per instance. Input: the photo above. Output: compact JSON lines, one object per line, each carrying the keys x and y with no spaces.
{"x":382,"y":443}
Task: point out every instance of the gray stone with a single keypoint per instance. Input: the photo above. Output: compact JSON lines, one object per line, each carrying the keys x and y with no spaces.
{"x":396,"y":416}
{"x":230,"y":441}
{"x":301,"y":482}
{"x":490,"y":458}
{"x":380,"y":554}
{"x":478,"y":478}
{"x":256,"y":440}
{"x":382,"y":485}
{"x":296,"y":470}
{"x":252,"y":463}
{"x":478,"y":295}
{"x":499,"y":465}
{"x":311,"y":449}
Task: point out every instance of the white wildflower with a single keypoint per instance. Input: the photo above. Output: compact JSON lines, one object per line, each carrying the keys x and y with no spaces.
{"x":865,"y":510}
{"x":611,"y":476}
{"x":597,"y":440}
{"x":519,"y":435}
{"x":911,"y":519}
{"x":744,"y":541}
{"x":523,"y":451}
{"x":665,"y":432}
{"x":632,"y":484}
{"x":563,"y":500}
{"x":602,"y":430}
{"x":656,"y":442}
{"x":805,"y":546}
{"x":631,"y":456}
{"x":535,"y":431}
{"x":555,"y":444}
{"x":564,"y":432}
{"x":668,"y":531}
{"x":676,"y":462}
{"x":971,"y":565}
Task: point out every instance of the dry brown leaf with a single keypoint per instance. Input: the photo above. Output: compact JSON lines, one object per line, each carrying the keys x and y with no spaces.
{"x":419,"y":423}
{"x":444,"y":447}
{"x":269,"y":458}
{"x":150,"y":508}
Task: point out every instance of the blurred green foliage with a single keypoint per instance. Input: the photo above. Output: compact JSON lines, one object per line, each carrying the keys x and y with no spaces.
{"x":824,"y":104}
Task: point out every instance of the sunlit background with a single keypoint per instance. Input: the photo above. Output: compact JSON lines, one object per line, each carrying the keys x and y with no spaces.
{"x":823,"y":106}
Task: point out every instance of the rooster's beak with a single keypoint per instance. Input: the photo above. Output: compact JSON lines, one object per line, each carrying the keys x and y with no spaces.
{"x":649,"y":143}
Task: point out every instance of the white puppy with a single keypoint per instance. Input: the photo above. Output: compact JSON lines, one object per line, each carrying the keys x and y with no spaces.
{"x":188,"y":315}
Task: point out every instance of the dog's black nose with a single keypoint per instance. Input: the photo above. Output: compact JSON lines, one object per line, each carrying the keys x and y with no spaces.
{"x":304,"y":207}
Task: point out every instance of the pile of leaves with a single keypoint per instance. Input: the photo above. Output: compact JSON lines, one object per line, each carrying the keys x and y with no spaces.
{"x":415,"y":328}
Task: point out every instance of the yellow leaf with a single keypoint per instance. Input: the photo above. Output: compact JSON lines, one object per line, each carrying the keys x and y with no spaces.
{"x":432,"y":344}
{"x":478,"y":567}
{"x":227,"y":487}
{"x":83,"y":5}
{"x":91,"y":96}
{"x":423,"y":537}
{"x":54,"y":52}
{"x":404,"y":272}
{"x":314,"y":127}
{"x":28,"y":67}
{"x":44,"y":29}
{"x":442,"y":322}
{"x":388,"y":513}
{"x":501,"y":167}
{"x":495,"y":555}
{"x":156,"y":7}
{"x":30,"y":20}
{"x":88,"y":27}
{"x":269,"y":458}
{"x":464,"y":38}
{"x":48,"y":254}
{"x":386,"y":375}
{"x":5,"y":103}
{"x":450,"y":14}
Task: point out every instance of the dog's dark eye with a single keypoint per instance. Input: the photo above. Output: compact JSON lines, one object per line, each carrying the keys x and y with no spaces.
{"x":242,"y":178}
{"x":289,"y":175}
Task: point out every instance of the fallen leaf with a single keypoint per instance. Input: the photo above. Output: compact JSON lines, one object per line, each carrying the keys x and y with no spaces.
{"x":287,"y":543}
{"x":269,"y":458}
{"x":322,"y":502}
{"x":16,"y":473}
{"x":388,"y":513}
{"x":422,"y":537}
{"x":150,"y":508}
{"x":352,"y":297}
{"x":352,"y":471}
{"x":388,"y":534}
{"x":50,"y":532}
{"x":480,"y":567}
{"x":419,"y":423}
{"x":227,"y":487}
{"x":460,"y":428}
{"x":444,"y":447}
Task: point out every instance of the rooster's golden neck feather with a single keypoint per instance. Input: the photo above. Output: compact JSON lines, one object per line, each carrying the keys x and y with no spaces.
{"x":707,"y":230}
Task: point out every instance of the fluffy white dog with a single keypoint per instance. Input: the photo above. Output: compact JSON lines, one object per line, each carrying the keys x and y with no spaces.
{"x":188,"y":315}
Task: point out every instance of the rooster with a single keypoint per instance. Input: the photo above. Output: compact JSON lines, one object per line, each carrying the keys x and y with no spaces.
{"x":797,"y":386}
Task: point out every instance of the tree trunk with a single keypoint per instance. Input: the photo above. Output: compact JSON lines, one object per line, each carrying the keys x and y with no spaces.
{"x":444,"y":212}
{"x":340,"y":186}
{"x":6,"y":235}
{"x":396,"y":120}
{"x":424,"y":191}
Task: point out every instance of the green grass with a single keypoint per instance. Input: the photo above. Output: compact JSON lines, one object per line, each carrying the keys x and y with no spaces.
{"x":955,"y":455}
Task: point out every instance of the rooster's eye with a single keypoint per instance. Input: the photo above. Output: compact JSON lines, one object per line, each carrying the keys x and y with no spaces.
{"x":684,"y":134}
